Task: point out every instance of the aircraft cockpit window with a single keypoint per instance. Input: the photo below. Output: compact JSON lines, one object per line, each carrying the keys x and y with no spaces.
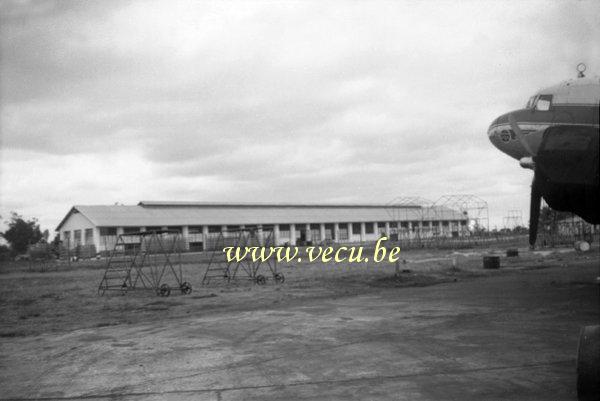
{"x":530,"y":102}
{"x":543,"y":102}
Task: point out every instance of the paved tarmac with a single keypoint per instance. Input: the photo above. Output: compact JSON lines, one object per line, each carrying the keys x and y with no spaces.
{"x":511,"y":336}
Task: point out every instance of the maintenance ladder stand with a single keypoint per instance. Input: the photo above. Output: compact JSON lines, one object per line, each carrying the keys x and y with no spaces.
{"x":220,"y":267}
{"x":144,"y":258}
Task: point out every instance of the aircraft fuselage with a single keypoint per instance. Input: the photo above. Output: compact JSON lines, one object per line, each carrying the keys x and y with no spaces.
{"x":534,"y":122}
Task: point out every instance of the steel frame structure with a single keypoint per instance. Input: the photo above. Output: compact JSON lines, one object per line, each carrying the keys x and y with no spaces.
{"x":219,"y":267}
{"x":144,"y":260}
{"x":471,"y":206}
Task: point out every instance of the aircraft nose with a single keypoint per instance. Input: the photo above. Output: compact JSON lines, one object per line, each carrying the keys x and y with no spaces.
{"x":500,"y":120}
{"x":491,"y":128}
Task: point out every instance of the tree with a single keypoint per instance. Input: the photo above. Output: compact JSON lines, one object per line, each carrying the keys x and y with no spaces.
{"x":21,"y":233}
{"x":4,"y":253}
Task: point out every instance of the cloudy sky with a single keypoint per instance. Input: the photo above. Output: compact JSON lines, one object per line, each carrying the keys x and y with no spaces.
{"x":294,"y":101}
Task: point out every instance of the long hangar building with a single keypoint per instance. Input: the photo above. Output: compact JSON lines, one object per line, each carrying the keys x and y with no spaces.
{"x":291,"y":223}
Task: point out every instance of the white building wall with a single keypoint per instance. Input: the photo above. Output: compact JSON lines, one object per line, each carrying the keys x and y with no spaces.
{"x":77,"y":221}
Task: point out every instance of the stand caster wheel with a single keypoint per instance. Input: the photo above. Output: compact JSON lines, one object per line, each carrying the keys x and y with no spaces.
{"x":261,"y":280}
{"x":186,"y":288}
{"x":164,"y":290}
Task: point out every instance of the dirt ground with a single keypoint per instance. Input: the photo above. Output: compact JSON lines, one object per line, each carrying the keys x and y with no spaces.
{"x":439,"y":330}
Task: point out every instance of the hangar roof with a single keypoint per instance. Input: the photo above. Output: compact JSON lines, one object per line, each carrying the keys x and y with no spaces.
{"x":147,"y":214}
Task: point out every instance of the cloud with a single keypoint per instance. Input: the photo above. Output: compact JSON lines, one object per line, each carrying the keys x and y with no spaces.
{"x":304,"y":101}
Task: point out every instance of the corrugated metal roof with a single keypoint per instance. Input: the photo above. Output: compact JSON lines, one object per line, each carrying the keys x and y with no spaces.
{"x":148,"y":214}
{"x":268,"y":205}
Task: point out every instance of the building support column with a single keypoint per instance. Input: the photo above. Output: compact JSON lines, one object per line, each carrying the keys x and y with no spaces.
{"x":276,"y":235}
{"x":410,"y":230}
{"x":96,"y":238}
{"x":204,"y":237}
{"x":322,"y":229}
{"x":350,"y":233}
{"x":308,"y":232}
{"x":185,"y":233}
{"x":387,"y":230}
{"x":441,"y":227}
{"x":336,"y":232}
{"x":363,"y":232}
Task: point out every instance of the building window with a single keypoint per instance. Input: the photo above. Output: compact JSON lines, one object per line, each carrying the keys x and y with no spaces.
{"x":315,"y":233}
{"x":151,"y":228}
{"x":329,"y":231}
{"x":343,"y":232}
{"x":214,"y":229}
{"x":89,"y":236}
{"x":355,"y":228}
{"x":77,"y":237}
{"x":284,"y":231}
{"x":195,"y":238}
{"x":66,"y":235}
{"x":369,"y":228}
{"x":131,"y":230}
{"x":175,"y":228}
{"x":104,"y":231}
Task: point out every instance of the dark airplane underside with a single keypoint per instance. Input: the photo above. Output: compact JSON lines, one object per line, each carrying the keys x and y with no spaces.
{"x":567,"y":174}
{"x":581,"y":200}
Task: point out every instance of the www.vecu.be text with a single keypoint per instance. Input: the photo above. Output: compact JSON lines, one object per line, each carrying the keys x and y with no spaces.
{"x":325,"y":254}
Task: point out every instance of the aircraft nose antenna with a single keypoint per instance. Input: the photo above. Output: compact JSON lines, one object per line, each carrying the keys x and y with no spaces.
{"x":580,"y":70}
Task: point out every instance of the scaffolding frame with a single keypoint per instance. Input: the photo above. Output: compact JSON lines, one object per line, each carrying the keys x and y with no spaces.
{"x":472,"y":207}
{"x":404,"y":209}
